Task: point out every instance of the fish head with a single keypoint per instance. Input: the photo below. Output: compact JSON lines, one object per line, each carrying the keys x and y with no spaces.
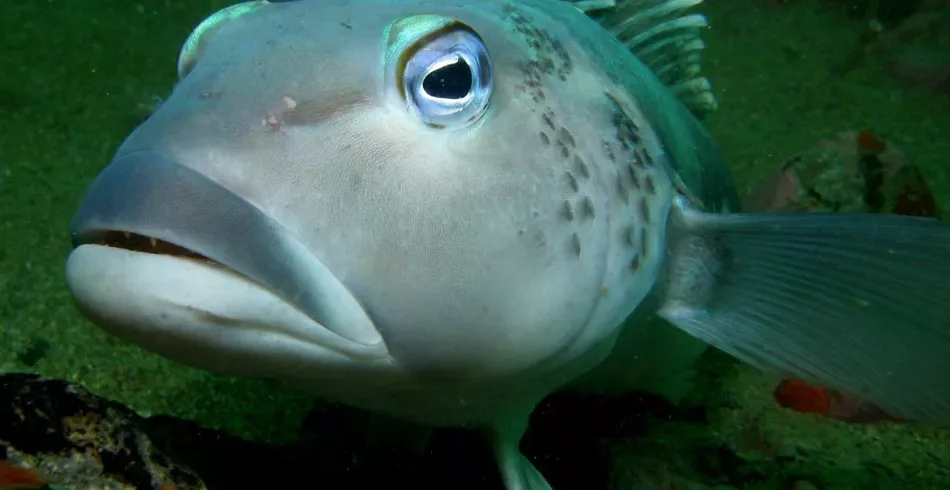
{"x":337,"y":188}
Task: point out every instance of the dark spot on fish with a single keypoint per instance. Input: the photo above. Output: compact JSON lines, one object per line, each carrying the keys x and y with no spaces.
{"x":622,"y":190}
{"x":645,"y":159}
{"x":346,"y":25}
{"x":564,"y":136}
{"x":567,"y":212}
{"x":609,"y":151}
{"x":644,"y":208}
{"x":630,"y":236}
{"x":581,"y":167}
{"x":634,"y":176}
{"x":562,"y":55}
{"x":642,"y":242}
{"x":572,"y":184}
{"x":548,"y":120}
{"x":628,"y":131}
{"x":576,"y":244}
{"x":564,"y":151}
{"x":545,"y":140}
{"x":648,"y":185}
{"x":635,"y":263}
{"x":636,"y":161}
{"x":548,"y":57}
{"x":627,"y":135}
{"x":587,"y":208}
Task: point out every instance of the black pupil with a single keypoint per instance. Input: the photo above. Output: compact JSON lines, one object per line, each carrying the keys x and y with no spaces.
{"x":452,"y":81}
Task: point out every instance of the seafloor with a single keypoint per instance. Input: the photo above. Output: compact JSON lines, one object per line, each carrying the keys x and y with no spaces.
{"x":78,"y":75}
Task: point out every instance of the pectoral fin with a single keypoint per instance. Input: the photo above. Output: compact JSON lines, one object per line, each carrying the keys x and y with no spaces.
{"x":858,"y":303}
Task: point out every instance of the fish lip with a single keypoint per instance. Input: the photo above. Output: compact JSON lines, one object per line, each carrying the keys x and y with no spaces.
{"x":205,"y":315}
{"x":151,"y":195}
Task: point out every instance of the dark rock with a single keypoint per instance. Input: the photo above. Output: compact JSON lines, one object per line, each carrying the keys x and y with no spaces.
{"x":76,"y":439}
{"x":70,"y":437}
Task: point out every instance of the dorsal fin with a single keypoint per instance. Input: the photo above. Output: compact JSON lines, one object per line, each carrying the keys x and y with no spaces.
{"x":664,"y":37}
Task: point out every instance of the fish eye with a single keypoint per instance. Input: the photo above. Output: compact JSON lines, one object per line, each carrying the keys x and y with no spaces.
{"x":447,"y":78}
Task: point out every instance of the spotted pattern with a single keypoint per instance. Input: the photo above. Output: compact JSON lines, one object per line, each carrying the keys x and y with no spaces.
{"x":635,"y":181}
{"x":576,"y":244}
{"x":578,"y":207}
{"x":545,"y":139}
{"x":549,"y":58}
{"x":550,"y":63}
{"x":628,"y":168}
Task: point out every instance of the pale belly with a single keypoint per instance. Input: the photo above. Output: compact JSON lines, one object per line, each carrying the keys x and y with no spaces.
{"x":457,"y":403}
{"x":649,"y":354}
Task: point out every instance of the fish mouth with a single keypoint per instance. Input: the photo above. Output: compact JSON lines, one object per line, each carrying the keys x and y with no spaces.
{"x":140,"y":243}
{"x":170,"y":259}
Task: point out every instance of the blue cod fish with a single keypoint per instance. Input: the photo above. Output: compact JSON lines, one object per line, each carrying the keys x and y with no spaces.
{"x":445,"y":211}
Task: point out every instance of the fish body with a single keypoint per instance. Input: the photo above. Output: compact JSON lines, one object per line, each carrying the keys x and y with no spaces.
{"x":444,"y":239}
{"x":446,"y":211}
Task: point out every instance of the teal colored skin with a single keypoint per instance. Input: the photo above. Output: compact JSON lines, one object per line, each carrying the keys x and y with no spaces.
{"x":693,"y":153}
{"x":448,"y":276}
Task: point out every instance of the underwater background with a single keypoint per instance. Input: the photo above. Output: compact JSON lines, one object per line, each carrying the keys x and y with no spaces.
{"x":816,"y":86}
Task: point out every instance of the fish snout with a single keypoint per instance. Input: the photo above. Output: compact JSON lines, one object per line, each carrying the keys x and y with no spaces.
{"x":183,"y":244}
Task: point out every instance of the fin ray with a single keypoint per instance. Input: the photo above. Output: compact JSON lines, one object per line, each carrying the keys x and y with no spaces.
{"x":666,"y":38}
{"x":858,"y":303}
{"x":593,"y":5}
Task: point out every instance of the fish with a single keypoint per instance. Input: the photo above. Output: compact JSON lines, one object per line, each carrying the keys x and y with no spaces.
{"x":443,"y":212}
